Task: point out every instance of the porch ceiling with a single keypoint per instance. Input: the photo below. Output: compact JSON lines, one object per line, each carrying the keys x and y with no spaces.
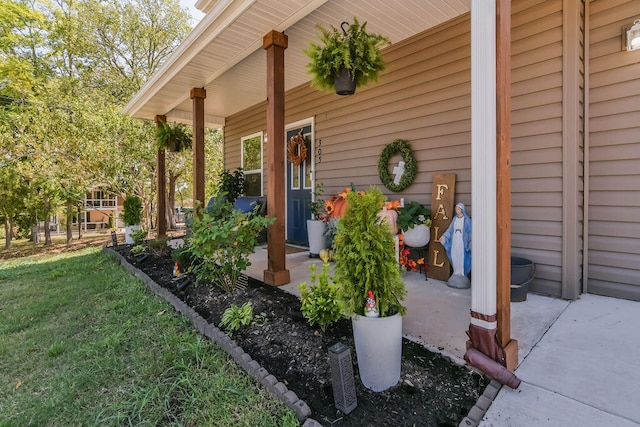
{"x":224,"y":51}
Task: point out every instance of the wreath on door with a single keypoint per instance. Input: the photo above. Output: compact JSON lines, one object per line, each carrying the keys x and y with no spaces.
{"x":402,"y":147}
{"x":296,"y":149}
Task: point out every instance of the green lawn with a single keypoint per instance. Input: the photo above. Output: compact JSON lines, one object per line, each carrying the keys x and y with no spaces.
{"x":84,"y":343}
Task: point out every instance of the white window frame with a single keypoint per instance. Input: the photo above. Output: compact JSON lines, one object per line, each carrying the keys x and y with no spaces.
{"x":253,"y":171}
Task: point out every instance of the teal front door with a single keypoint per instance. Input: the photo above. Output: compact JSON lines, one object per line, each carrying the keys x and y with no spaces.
{"x":299,"y":186}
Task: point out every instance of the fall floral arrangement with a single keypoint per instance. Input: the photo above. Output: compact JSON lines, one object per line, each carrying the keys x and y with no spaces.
{"x":407,"y":262}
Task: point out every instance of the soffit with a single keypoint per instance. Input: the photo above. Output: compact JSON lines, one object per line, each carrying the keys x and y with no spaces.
{"x":224,"y":51}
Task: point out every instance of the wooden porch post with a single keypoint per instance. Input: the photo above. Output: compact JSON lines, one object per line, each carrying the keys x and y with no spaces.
{"x":503,"y":171}
{"x":198,"y":95}
{"x":277,"y":274}
{"x":162,"y":187}
{"x":489,"y":133}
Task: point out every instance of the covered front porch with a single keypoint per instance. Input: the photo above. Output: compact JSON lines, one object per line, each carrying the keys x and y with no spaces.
{"x":437,"y":315}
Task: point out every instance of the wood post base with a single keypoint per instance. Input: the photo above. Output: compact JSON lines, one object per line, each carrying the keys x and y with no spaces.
{"x":276,"y":278}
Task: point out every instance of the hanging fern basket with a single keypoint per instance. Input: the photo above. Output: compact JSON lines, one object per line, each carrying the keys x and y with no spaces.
{"x":344,"y":82}
{"x":174,"y":138}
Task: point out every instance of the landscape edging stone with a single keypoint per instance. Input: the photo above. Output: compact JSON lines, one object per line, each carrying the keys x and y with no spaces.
{"x":244,"y":360}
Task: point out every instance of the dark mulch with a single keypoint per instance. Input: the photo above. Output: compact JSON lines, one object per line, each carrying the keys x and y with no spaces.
{"x":433,"y":391}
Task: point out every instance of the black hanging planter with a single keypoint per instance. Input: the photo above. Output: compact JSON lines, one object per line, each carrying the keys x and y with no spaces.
{"x":344,"y":82}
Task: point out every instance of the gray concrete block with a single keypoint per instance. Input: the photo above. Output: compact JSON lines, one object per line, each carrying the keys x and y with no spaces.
{"x":290,"y":398}
{"x":270,"y":380}
{"x":310,"y":422}
{"x":302,"y":410}
{"x":466,"y":422}
{"x":475,"y":414}
{"x":280,"y":388}
{"x":483,"y":403}
{"x":253,"y":367}
{"x":491,"y":391}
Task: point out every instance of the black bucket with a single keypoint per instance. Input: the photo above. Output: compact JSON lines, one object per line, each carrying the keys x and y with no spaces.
{"x":522,"y":273}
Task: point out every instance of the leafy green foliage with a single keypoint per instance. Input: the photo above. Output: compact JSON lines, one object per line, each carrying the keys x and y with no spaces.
{"x":174,"y":138}
{"x":316,"y":204}
{"x":138,"y":249}
{"x":232,"y":184}
{"x":365,"y":257}
{"x":357,"y":51}
{"x":184,"y":256}
{"x":319,"y":303}
{"x":234,"y":317}
{"x":223,"y":240}
{"x":413,"y":214}
{"x":132,"y":214}
{"x":139,"y":236}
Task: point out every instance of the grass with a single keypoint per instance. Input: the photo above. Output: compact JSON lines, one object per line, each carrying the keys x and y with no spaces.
{"x":83,"y":343}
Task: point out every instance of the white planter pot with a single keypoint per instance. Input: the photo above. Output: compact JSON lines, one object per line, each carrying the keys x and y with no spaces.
{"x":127,"y":233}
{"x":418,"y":236}
{"x":378,"y":343}
{"x":317,"y":239}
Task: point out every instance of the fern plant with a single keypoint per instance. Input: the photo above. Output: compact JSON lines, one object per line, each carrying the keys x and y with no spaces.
{"x":353,"y":49}
{"x":319,"y":303}
{"x":365,"y":257}
{"x":174,"y":138}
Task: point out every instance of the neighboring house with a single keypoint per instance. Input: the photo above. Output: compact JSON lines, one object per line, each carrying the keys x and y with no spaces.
{"x":98,"y":205}
{"x":575,"y":114}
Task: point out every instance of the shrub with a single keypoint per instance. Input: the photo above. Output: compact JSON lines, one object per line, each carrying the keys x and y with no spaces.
{"x":223,"y":244}
{"x":365,"y":257}
{"x":132,"y":214}
{"x":319,"y":302}
{"x":139,"y":236}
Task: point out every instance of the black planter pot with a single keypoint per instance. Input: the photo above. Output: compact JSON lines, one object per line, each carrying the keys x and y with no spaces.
{"x":344,"y":82}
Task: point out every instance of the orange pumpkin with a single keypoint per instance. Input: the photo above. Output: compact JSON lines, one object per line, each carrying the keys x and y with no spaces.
{"x":390,"y":216}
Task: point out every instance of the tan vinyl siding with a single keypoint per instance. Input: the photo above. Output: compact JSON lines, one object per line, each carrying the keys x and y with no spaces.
{"x":537,"y":90}
{"x":425,"y":97}
{"x":614,"y":140}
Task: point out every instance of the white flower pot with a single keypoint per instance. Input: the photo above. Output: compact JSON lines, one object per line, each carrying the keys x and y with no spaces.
{"x":378,"y":343}
{"x":317,"y":239}
{"x":418,"y":236}
{"x":127,"y":233}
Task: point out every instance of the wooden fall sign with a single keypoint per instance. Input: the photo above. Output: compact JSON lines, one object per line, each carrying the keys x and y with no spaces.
{"x":442,"y":195}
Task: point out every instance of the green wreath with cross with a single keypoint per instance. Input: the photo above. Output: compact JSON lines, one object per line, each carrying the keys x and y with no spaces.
{"x":407,"y":175}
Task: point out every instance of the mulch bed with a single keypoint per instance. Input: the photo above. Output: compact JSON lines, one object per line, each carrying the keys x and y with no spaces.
{"x":433,"y":391}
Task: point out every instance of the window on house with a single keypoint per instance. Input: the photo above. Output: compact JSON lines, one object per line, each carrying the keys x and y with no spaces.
{"x":252,"y":164}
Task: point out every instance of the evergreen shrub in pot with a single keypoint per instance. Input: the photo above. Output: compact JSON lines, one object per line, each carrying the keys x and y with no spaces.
{"x":132,"y":216}
{"x":365,"y":261}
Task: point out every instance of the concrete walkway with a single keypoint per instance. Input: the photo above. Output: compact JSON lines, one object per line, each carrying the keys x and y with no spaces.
{"x":583,"y":372}
{"x":579,"y":361}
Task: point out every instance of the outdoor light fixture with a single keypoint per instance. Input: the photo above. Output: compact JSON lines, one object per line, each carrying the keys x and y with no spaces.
{"x":344,"y":386}
{"x":633,"y":36}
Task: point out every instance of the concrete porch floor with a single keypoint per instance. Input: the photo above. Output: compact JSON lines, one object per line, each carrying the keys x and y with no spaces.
{"x":437,"y":316}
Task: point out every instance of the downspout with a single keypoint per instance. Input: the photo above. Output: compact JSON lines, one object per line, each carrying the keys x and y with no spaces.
{"x":586,"y":174}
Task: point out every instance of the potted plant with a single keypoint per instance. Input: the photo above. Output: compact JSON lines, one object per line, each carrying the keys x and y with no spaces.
{"x":346,"y":58}
{"x":370,"y":281}
{"x":174,"y":138}
{"x":132,"y":216}
{"x":316,"y":226}
{"x":414,"y":220}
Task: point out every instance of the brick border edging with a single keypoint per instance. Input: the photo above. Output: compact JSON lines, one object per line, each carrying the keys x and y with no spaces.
{"x":477,"y":412}
{"x":244,"y":360}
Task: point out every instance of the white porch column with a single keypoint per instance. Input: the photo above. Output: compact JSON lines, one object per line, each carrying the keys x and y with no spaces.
{"x":483,"y":160}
